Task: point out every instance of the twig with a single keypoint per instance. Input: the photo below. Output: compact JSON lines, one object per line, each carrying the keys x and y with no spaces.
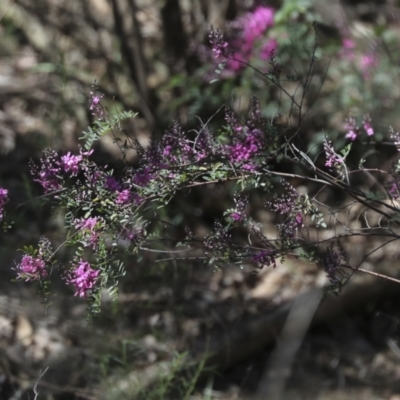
{"x":35,"y":389}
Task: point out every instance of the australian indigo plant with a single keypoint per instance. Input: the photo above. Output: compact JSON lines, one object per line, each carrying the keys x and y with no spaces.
{"x":108,"y":212}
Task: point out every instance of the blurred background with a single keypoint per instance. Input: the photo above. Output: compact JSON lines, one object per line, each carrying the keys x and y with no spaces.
{"x":153,"y":57}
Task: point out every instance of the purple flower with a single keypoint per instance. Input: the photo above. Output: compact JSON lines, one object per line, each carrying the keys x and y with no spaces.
{"x":48,"y":175}
{"x":167,"y":150}
{"x":265,"y":257}
{"x":251,"y":27}
{"x":3,"y":201}
{"x":268,"y":49}
{"x":32,"y":269}
{"x":367,"y":64}
{"x":352,"y":129}
{"x":83,"y":277}
{"x":285,"y":203}
{"x":48,"y":181}
{"x":394,"y":189}
{"x":290,"y":206}
{"x":299,"y":220}
{"x":219,"y":45}
{"x":94,"y":103}
{"x":236,"y":216}
{"x":246,"y":148}
{"x":88,"y":223}
{"x":111,"y":184}
{"x":348,"y":47}
{"x":70,"y":163}
{"x":367,"y":125}
{"x":124,"y":197}
{"x":333,"y":161}
{"x":256,"y":23}
{"x":143,"y":177}
{"x":333,"y":263}
{"x":176,"y":148}
{"x":240,"y":212}
{"x":133,"y":235}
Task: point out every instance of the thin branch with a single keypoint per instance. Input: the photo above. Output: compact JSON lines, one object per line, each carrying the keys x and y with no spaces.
{"x":35,"y":389}
{"x":365,"y":271}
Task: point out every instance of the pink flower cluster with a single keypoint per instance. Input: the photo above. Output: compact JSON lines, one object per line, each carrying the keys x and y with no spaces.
{"x":240,"y":212}
{"x":124,"y":197}
{"x":289,"y":205}
{"x":255,"y":24}
{"x":249,"y":29}
{"x":353,"y":131}
{"x":246,"y":148}
{"x":366,"y":63}
{"x":348,"y":46}
{"x":252,"y":27}
{"x":333,"y":160}
{"x":49,"y":175}
{"x":3,"y":201}
{"x":70,"y":163}
{"x":32,"y":268}
{"x":94,"y":103}
{"x":83,"y":277}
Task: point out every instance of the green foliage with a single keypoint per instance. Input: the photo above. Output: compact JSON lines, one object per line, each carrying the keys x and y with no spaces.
{"x":175,"y":379}
{"x":102,"y":127}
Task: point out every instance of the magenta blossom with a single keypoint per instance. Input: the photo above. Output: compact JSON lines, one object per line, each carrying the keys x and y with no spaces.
{"x":348,"y":47}
{"x":299,"y":220}
{"x":32,"y":269}
{"x":367,"y":126}
{"x":218,"y":43}
{"x":49,"y":172}
{"x":368,"y":63}
{"x":246,"y":149}
{"x":71,"y":163}
{"x":88,"y":223}
{"x":236,"y":216}
{"x":255,"y":24}
{"x":352,"y":129}
{"x":252,"y":27}
{"x":83,"y":277}
{"x":95,"y":106}
{"x":333,"y":160}
{"x":240,"y":212}
{"x":124,"y":197}
{"x":3,"y":201}
{"x":268,"y":49}
{"x":48,"y":181}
